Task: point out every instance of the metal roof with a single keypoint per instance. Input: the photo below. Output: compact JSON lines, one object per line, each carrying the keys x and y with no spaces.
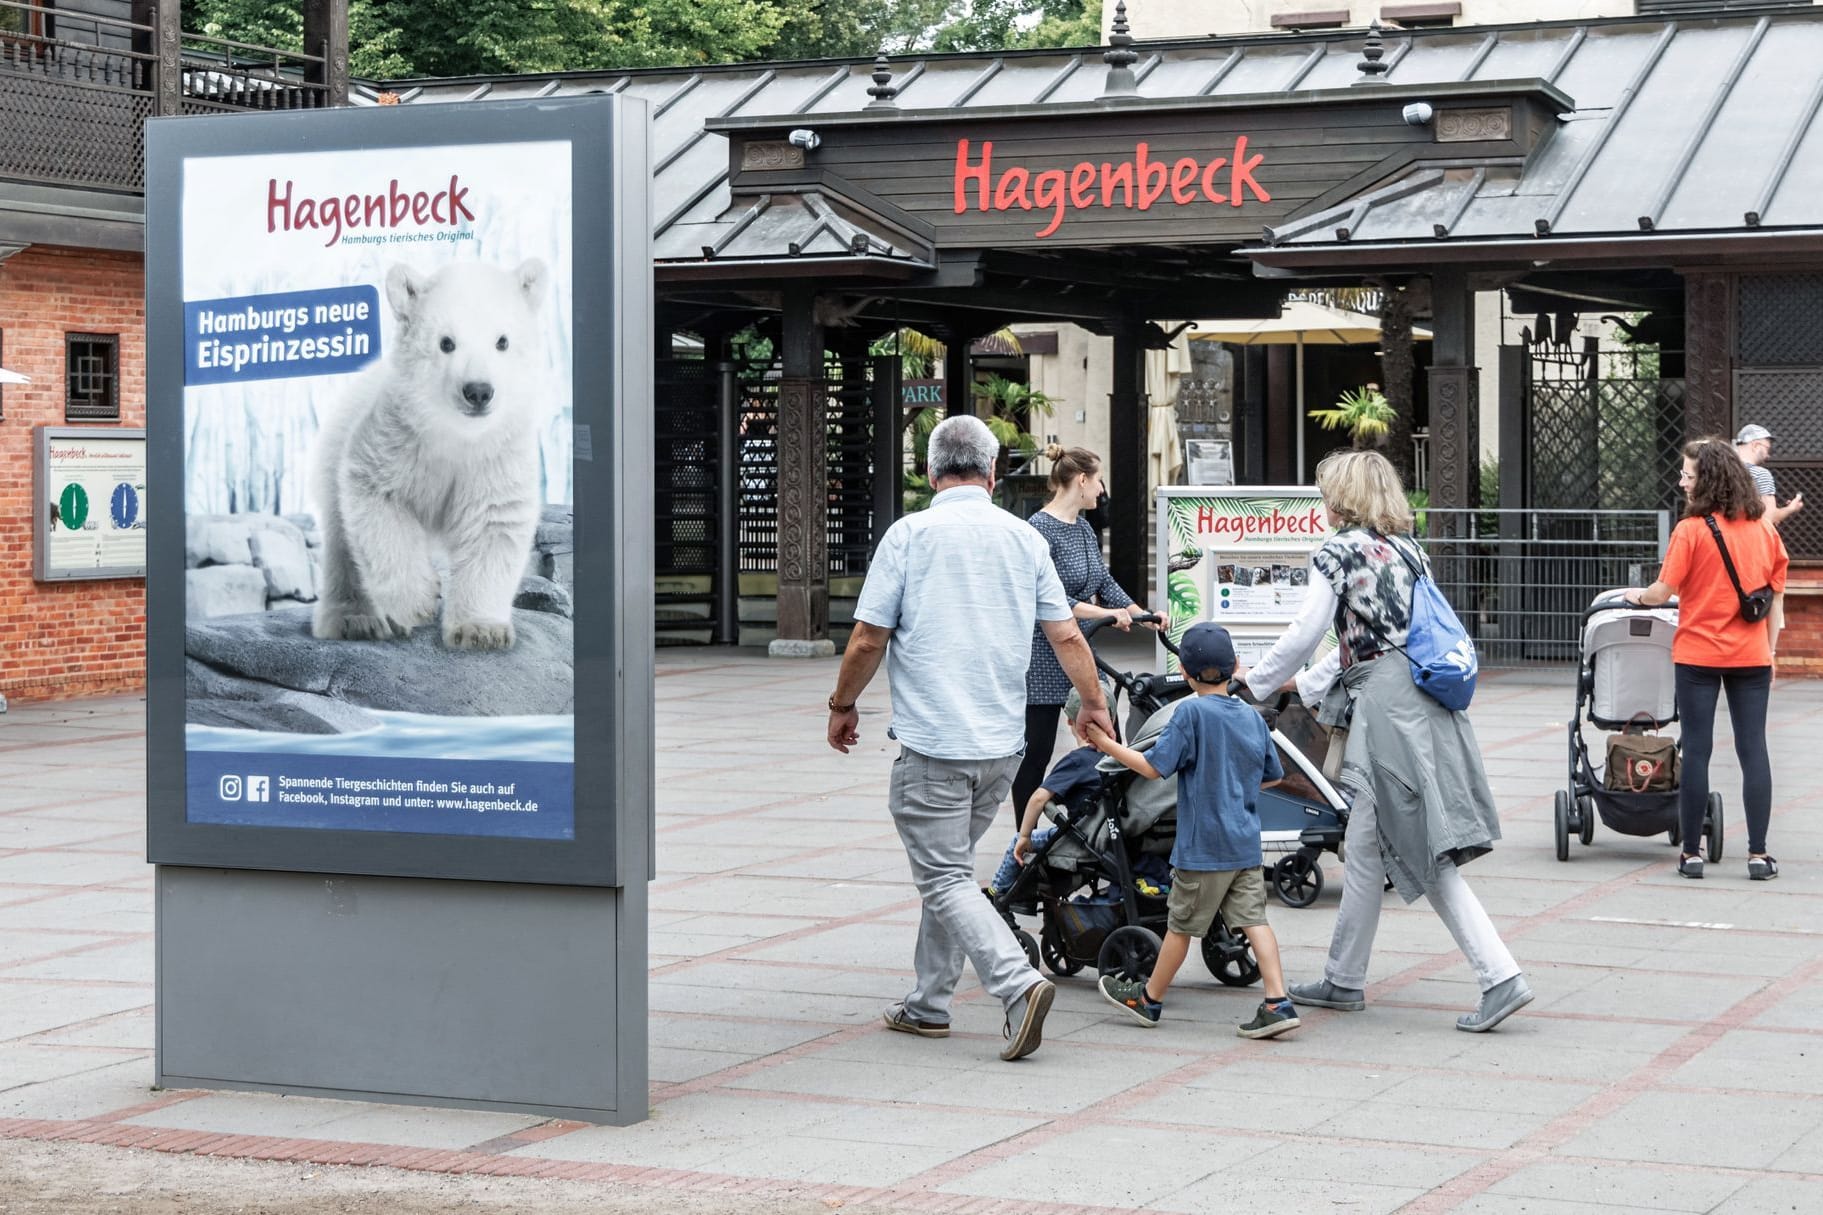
{"x":1700,"y":125}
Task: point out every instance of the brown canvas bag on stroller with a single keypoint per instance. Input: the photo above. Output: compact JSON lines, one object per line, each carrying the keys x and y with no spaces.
{"x":1641,"y":761}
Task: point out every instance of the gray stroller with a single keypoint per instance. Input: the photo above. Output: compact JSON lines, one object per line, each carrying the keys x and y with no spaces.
{"x":1625,"y":682}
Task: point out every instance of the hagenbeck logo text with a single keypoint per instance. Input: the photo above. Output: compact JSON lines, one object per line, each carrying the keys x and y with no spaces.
{"x":1137,"y":183}
{"x":388,"y":208}
{"x":1210,"y":521}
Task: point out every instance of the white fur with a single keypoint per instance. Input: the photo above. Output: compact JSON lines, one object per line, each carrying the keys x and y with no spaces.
{"x":410,"y":466}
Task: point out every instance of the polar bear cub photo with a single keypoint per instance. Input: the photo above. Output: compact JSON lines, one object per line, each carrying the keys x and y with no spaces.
{"x":435,"y":454}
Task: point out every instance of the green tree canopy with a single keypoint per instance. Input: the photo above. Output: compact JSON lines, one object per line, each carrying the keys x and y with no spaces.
{"x":392,"y":39}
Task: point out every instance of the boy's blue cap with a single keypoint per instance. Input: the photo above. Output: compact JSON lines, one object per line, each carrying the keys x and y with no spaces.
{"x":1206,"y":646}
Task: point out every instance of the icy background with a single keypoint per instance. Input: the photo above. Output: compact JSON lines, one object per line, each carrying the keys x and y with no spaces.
{"x":550,"y":739}
{"x":247,"y":447}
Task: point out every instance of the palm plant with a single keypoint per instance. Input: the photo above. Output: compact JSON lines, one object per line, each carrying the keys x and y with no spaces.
{"x":1363,"y":412}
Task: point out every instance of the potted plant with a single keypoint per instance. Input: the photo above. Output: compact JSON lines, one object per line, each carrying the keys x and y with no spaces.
{"x":1363,"y":412}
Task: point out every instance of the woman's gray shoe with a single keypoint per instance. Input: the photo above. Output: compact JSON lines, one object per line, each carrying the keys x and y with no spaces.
{"x":1497,"y":1004}
{"x":1324,"y":994}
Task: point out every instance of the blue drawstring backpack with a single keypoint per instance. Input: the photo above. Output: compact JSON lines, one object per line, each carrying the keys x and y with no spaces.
{"x":1440,"y":651}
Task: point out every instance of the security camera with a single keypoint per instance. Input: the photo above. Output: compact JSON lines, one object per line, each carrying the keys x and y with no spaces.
{"x":806,"y":139}
{"x":1416,"y":114}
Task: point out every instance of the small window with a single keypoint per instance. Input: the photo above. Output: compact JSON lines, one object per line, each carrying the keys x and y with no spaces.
{"x":91,"y":377}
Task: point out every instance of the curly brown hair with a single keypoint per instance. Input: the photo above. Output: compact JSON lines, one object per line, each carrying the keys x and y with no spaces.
{"x":1723,"y":485}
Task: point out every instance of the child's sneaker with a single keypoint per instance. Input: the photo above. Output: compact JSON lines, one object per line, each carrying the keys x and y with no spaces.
{"x":1129,"y":995}
{"x":1271,"y":1020}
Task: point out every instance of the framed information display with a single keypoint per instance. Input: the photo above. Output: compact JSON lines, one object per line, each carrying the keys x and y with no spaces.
{"x":88,"y":503}
{"x":1239,"y":556}
{"x":398,"y":365}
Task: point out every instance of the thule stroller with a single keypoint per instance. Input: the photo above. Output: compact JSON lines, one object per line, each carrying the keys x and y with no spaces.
{"x":1084,"y":882}
{"x":1625,"y":682}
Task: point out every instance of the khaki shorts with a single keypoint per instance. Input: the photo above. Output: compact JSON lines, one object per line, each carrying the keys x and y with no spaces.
{"x":1238,"y":894}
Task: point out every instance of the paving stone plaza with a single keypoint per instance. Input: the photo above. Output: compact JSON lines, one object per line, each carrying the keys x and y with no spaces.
{"x":1673,"y":1060}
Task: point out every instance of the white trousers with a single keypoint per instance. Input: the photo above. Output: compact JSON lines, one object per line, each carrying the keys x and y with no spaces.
{"x":1363,"y":885}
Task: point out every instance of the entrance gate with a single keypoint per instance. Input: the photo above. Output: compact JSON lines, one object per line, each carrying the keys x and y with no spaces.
{"x":688,"y":487}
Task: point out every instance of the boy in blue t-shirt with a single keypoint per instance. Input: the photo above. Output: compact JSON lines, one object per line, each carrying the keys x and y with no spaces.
{"x":1223,"y":755}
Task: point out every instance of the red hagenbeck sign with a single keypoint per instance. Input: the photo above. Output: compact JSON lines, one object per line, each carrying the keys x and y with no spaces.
{"x":1306,"y":522}
{"x":1139,"y":182}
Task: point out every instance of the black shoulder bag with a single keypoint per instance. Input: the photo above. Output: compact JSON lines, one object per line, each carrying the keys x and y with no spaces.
{"x":1756,"y":606}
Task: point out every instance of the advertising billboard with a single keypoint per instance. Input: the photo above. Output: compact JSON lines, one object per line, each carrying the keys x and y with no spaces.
{"x":88,"y":503}
{"x":387,"y":367}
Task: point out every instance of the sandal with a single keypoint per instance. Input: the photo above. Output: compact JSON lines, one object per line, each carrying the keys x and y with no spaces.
{"x":1690,"y":866}
{"x":1762,"y":868}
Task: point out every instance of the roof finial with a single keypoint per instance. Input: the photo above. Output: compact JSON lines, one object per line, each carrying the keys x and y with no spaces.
{"x":1372,"y":50}
{"x":883,"y":90}
{"x":1120,"y":58}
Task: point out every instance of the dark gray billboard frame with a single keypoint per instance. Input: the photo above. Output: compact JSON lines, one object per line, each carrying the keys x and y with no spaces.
{"x":481,"y":972}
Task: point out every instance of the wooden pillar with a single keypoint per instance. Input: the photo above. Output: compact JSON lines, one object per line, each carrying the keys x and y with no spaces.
{"x":326,"y":35}
{"x":1708,"y":355}
{"x":803,"y":596}
{"x":958,"y":378}
{"x":1126,"y":469}
{"x":1455,"y":441}
{"x":728,"y":494}
{"x":888,"y":446}
{"x":168,"y":44}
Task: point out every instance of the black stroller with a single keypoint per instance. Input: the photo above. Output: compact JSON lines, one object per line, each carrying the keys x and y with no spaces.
{"x":1625,"y":682}
{"x":1082,"y":881}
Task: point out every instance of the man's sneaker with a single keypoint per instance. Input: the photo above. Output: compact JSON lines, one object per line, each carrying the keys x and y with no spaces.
{"x":895,"y":1018}
{"x":1690,"y":866}
{"x":1762,"y":868}
{"x":1324,"y":994}
{"x":1271,"y":1020}
{"x":1029,"y":1011}
{"x":1129,"y":995}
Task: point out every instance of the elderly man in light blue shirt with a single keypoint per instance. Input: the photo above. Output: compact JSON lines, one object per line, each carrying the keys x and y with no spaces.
{"x":950,"y":601}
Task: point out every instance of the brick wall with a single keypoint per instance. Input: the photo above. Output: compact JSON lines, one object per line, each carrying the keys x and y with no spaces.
{"x":1801,"y":641}
{"x":75,"y":638}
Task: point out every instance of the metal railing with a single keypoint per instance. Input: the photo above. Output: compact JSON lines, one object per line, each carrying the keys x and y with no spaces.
{"x":76,"y":94}
{"x":1522,"y":579}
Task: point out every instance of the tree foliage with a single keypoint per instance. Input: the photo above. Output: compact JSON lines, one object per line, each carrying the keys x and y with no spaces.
{"x":394,"y":39}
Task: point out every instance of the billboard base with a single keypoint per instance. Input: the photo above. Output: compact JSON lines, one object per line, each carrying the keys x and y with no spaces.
{"x":412,"y":991}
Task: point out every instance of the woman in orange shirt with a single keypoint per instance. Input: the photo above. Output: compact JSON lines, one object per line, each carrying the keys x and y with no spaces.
{"x":1715,"y":648}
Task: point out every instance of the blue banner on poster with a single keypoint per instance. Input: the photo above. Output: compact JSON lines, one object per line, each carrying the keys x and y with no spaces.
{"x":499,"y":798}
{"x":280,"y":336}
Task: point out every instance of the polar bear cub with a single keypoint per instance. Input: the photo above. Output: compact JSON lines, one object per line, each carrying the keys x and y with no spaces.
{"x":436,"y":450}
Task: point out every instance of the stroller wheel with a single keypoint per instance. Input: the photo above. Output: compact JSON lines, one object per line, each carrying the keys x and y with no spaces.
{"x":1560,"y":822}
{"x":1671,"y":836}
{"x":1029,"y":943}
{"x":1585,"y":820}
{"x":1128,"y":952}
{"x":1061,"y":963}
{"x":1226,"y":954}
{"x":1297,"y":880}
{"x":1712,"y":828}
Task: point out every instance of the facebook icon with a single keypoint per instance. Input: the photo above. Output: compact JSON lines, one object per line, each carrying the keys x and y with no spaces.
{"x":259,"y":788}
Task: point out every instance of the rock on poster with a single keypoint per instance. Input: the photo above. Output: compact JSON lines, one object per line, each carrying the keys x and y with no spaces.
{"x":377,"y":429}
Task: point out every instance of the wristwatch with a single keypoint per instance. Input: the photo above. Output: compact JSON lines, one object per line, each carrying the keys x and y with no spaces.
{"x":836,"y":708}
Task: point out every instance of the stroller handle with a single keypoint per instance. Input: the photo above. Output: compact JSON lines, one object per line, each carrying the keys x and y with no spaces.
{"x":1091,"y":627}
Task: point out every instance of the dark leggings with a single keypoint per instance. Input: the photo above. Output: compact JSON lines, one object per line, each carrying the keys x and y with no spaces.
{"x":1748,"y":689}
{"x":1040,"y":742}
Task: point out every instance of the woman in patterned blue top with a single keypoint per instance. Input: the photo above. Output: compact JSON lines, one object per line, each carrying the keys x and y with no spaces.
{"x":1076,"y":552}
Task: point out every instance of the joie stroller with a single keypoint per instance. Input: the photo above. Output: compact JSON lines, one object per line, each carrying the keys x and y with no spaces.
{"x":1626,"y":682}
{"x":1092,"y":909}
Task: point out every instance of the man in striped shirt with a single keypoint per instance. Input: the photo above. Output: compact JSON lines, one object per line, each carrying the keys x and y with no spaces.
{"x":1754,"y":445}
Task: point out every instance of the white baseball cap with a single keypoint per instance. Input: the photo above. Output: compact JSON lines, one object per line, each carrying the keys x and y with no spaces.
{"x":1751,"y":433}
